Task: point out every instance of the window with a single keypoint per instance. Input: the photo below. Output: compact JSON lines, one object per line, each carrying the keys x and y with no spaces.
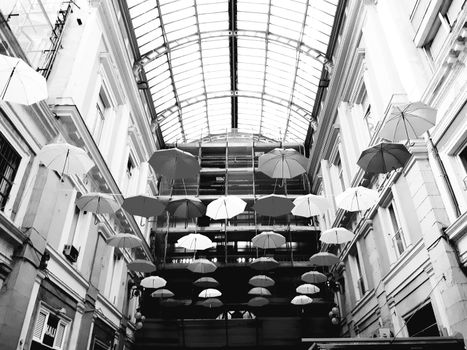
{"x":340,"y":173}
{"x":398,"y":240}
{"x":74,"y":225}
{"x":50,"y":330}
{"x":368,"y":118}
{"x":422,"y":323}
{"x":130,"y":165}
{"x":9,"y":163}
{"x":358,"y":272}
{"x":97,"y":125}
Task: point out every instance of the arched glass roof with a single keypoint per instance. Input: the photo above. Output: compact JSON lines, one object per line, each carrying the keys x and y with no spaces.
{"x":214,"y":65}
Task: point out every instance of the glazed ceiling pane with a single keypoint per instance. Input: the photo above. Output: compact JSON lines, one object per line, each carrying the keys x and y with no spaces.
{"x":204,"y":79}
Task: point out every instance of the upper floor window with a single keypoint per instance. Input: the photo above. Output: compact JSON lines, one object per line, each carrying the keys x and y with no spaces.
{"x":358,"y":272}
{"x":398,"y":240}
{"x":9,"y":163}
{"x":463,"y":158}
{"x":96,"y":125}
{"x":368,"y":117}
{"x":49,"y":329}
{"x":340,"y":172}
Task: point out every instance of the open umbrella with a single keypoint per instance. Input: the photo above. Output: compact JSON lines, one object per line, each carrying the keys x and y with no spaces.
{"x":259,"y":291}
{"x":140,"y":265}
{"x":282,"y":163}
{"x":301,"y":300}
{"x":273,"y":205}
{"x":258,"y":302}
{"x":225,"y":207}
{"x":307,"y":288}
{"x":324,"y":259}
{"x":357,"y":198}
{"x":174,"y":163}
{"x":124,"y":240}
{"x":268,"y":240}
{"x":211,"y":302}
{"x":264,"y":264}
{"x":19,"y":83}
{"x":261,"y":281}
{"x":65,"y":159}
{"x":206,"y":282}
{"x":195,"y":241}
{"x":153,"y":282}
{"x":162,"y":293}
{"x":98,"y":203}
{"x":202,"y":266}
{"x":310,"y":205}
{"x":210,"y":293}
{"x":186,"y":208}
{"x":383,"y":158}
{"x":336,"y":235}
{"x":145,"y":206}
{"x":408,"y":121}
{"x":314,"y":277}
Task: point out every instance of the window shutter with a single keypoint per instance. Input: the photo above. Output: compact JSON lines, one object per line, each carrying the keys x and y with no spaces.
{"x":60,"y":334}
{"x":39,"y":326}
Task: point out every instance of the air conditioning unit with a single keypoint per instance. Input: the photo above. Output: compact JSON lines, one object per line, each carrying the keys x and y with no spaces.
{"x":70,"y":252}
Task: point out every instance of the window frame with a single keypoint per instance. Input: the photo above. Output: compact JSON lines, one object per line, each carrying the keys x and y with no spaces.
{"x":65,"y":321}
{"x":5,"y":197}
{"x":399,"y":231}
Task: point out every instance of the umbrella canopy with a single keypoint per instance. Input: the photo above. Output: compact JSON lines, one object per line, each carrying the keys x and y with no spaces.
{"x":98,"y":203}
{"x":19,"y":83}
{"x":261,"y":281}
{"x":210,"y":293}
{"x":145,"y":206}
{"x":202,"y":266}
{"x":206,"y":282}
{"x":162,"y":293}
{"x":282,"y":163}
{"x":273,"y":205}
{"x":259,"y":291}
{"x":124,"y":240}
{"x":314,"y":277}
{"x":301,"y":300}
{"x":357,"y":198}
{"x":65,"y":159}
{"x":174,"y":163}
{"x":258,"y":302}
{"x":186,"y":208}
{"x":310,"y":205}
{"x":195,"y":241}
{"x":140,"y":265}
{"x":336,"y":235}
{"x":268,"y":240}
{"x":383,"y":158}
{"x":225,"y":207}
{"x":153,"y":282}
{"x":211,"y":302}
{"x":408,"y":121}
{"x":264,"y":264}
{"x":307,"y":288}
{"x":324,"y":259}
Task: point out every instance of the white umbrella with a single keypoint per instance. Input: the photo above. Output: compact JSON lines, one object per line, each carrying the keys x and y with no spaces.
{"x":310,"y":205}
{"x":225,"y":207}
{"x":202,"y":266}
{"x":273,"y":205}
{"x":259,"y":291}
{"x":174,"y":163}
{"x":195,"y":241}
{"x":314,"y":277}
{"x":307,"y":288}
{"x":324,"y":259}
{"x":162,"y":293}
{"x":264,"y":264}
{"x":282,"y":163}
{"x":301,"y":300}
{"x":140,"y":265}
{"x":268,"y":240}
{"x":124,"y":240}
{"x":145,"y":206}
{"x":206,"y":282}
{"x":99,"y":203}
{"x":210,"y":293}
{"x":65,"y":159}
{"x":336,"y":235}
{"x":258,"y":302}
{"x":19,"y":83}
{"x":261,"y":281}
{"x":357,"y":198}
{"x":153,"y":282}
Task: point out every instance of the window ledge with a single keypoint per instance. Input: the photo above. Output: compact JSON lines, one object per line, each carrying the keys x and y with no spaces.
{"x":402,"y":260}
{"x":13,"y":232}
{"x":369,"y":294}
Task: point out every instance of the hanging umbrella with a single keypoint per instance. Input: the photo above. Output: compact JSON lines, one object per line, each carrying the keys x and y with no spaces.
{"x":273,"y":205}
{"x":314,"y":277}
{"x":210,"y":293}
{"x":195,"y":241}
{"x":408,"y":121}
{"x":268,"y":240}
{"x":264,"y":264}
{"x":282,"y":163}
{"x":140,"y":265}
{"x":211,"y":302}
{"x":153,"y":282}
{"x":310,"y":205}
{"x":124,"y":240}
{"x":145,"y":206}
{"x":98,"y":203}
{"x":206,"y":282}
{"x":259,"y":291}
{"x":324,"y":259}
{"x":301,"y":300}
{"x":174,"y":163}
{"x":202,"y":266}
{"x":65,"y":159}
{"x":357,"y":198}
{"x":162,"y":293}
{"x":261,"y":281}
{"x":336,"y":235}
{"x":307,"y":288}
{"x":19,"y":83}
{"x":186,"y":208}
{"x":225,"y":207}
{"x":258,"y":302}
{"x":383,"y":158}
